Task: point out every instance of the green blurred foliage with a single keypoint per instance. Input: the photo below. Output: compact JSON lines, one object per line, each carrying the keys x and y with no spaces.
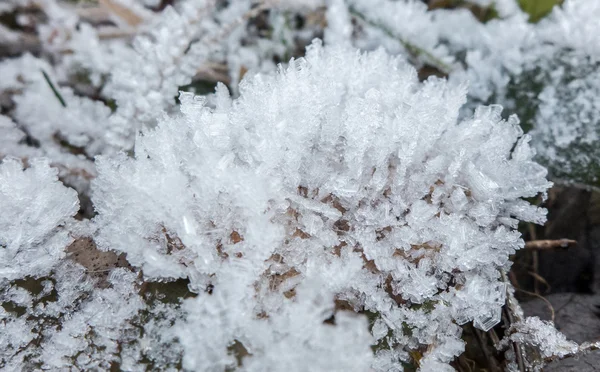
{"x":538,"y":9}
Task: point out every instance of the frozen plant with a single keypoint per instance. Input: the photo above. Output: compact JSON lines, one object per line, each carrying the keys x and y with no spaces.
{"x":542,"y":342}
{"x":401,"y":27}
{"x":565,"y":115}
{"x":342,"y":170}
{"x":53,"y":315}
{"x":545,"y":72}
{"x":114,"y":80}
{"x":35,"y":209}
{"x":333,"y":213}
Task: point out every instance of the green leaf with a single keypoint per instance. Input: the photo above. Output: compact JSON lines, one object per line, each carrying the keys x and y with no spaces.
{"x":538,"y":9}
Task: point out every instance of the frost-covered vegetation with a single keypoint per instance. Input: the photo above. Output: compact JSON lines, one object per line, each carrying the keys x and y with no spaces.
{"x":302,"y":185}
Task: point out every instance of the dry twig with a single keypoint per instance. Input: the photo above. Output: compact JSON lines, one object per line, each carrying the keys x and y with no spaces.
{"x":550,"y":244}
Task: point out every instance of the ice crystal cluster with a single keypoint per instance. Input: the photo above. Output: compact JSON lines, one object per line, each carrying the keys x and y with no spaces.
{"x":327,"y":208}
{"x":47,"y":300}
{"x":340,"y":183}
{"x":545,"y":72}
{"x":528,"y":68}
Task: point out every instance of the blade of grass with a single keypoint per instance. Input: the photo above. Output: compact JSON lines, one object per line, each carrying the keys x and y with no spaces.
{"x":56,"y":92}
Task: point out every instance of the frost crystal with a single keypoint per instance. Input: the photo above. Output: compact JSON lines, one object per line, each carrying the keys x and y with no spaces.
{"x":541,"y":338}
{"x":545,"y":72}
{"x":333,"y":213}
{"x":403,"y":26}
{"x":544,"y":335}
{"x":35,"y":209}
{"x":340,"y":183}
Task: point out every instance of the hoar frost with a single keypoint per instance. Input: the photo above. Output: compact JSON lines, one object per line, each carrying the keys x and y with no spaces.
{"x":35,"y":209}
{"x":339,"y":185}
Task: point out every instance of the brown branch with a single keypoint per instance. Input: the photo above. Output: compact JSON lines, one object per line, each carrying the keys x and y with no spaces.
{"x":488,"y":352}
{"x":512,"y":313}
{"x":550,"y":244}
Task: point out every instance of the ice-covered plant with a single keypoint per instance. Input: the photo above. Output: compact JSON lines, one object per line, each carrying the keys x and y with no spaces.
{"x":545,"y":72}
{"x":562,"y":86}
{"x":525,"y":66}
{"x":331,"y":213}
{"x":36,"y":208}
{"x":52,"y":316}
{"x":340,"y":173}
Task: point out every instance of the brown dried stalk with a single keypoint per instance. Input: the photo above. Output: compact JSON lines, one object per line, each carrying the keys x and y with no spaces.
{"x":550,"y":244}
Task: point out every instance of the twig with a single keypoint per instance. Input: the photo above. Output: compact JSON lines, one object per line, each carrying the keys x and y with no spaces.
{"x":513,"y":313}
{"x":213,"y":72}
{"x":494,"y":337}
{"x":548,"y":303}
{"x":108,"y":33}
{"x":24,"y":44}
{"x":535,"y":260}
{"x":485,"y":347}
{"x":550,"y":244}
{"x":539,"y":279}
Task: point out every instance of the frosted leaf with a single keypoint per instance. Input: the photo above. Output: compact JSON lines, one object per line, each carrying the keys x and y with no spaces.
{"x":541,"y":338}
{"x":96,"y":57}
{"x":566,"y":127}
{"x":404,"y":27}
{"x":171,"y":50}
{"x":544,"y":72}
{"x":573,"y":25}
{"x":63,"y":135}
{"x":544,"y":335}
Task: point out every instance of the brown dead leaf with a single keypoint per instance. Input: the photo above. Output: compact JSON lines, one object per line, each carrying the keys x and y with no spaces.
{"x":99,"y":264}
{"x":121,"y":11}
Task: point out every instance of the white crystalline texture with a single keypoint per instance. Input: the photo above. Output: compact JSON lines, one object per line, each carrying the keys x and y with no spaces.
{"x":81,"y":124}
{"x":403,"y":26}
{"x":96,"y":328}
{"x":35,"y":208}
{"x":574,"y":25}
{"x":94,"y":323}
{"x":166,"y":56}
{"x":308,"y":343}
{"x":342,"y":169}
{"x":544,"y":336}
{"x":545,"y":72}
{"x":566,"y":127}
{"x":334,"y":185}
{"x":11,"y":140}
{"x":52,"y":316}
